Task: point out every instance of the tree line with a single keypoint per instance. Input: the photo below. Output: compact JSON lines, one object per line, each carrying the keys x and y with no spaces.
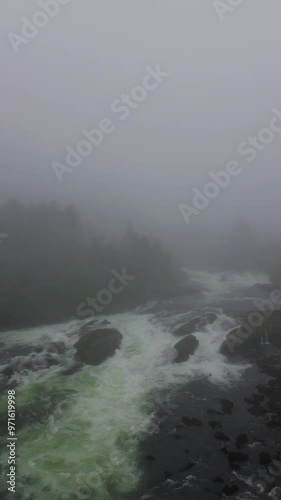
{"x":49,"y":264}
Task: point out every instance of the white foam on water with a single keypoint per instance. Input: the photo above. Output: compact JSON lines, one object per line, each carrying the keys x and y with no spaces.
{"x":89,"y":442}
{"x":223,"y":284}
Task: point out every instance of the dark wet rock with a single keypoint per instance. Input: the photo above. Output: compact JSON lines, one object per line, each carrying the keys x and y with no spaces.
{"x":218,"y":480}
{"x":58,"y":347}
{"x":167,"y":475}
{"x":214,"y":412}
{"x":271,"y":365}
{"x":241,"y":440}
{"x":230,"y":490}
{"x":255,"y":399}
{"x":150,"y":458}
{"x":72,"y":369}
{"x":185,"y":348}
{"x":245,"y":341}
{"x":227,"y":406}
{"x":51,"y":361}
{"x":105,"y":322}
{"x":224,"y":450}
{"x":221,"y":436}
{"x":239,"y":342}
{"x":214,"y":424}
{"x":258,"y":411}
{"x":92,"y":322}
{"x":8,"y":371}
{"x":236,"y":457}
{"x":96,"y":346}
{"x":191,"y":421}
{"x":195,"y":324}
{"x":187,"y":329}
{"x":265,"y":459}
{"x":189,"y":466}
{"x":9,"y":353}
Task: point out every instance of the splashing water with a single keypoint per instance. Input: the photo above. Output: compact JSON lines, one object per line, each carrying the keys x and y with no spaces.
{"x":79,"y":435}
{"x":223,"y":284}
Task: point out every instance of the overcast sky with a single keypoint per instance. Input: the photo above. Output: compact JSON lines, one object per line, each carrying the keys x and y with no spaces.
{"x":224,"y":80}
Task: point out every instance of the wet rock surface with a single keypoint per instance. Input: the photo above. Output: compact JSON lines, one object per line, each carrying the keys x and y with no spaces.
{"x":185,"y":348}
{"x":266,"y":401}
{"x":195,"y":324}
{"x":250,"y":342}
{"x":96,"y":346}
{"x":200,"y":457}
{"x":19,"y":360}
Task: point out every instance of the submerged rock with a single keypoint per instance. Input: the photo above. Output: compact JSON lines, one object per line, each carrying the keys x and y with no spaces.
{"x":96,"y":346}
{"x":230,"y":490}
{"x":74,"y":368}
{"x":105,"y":322}
{"x":185,"y":348}
{"x":254,"y":341}
{"x":10,"y":352}
{"x":240,"y":342}
{"x":221,"y":436}
{"x":236,"y":457}
{"x":94,"y":323}
{"x":56,"y":347}
{"x":195,"y":324}
{"x":227,"y":406}
{"x":8,"y":371}
{"x":191,"y":421}
{"x":214,"y":424}
{"x":187,"y":329}
{"x":241,"y":440}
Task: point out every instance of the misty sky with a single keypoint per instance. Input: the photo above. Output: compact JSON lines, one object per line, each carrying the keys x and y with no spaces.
{"x":225,"y":79}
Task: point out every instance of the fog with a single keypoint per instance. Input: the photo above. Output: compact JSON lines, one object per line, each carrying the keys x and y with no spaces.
{"x":140,"y":249}
{"x":223,"y":84}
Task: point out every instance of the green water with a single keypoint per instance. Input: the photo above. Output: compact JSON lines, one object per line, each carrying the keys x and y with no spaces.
{"x":78,"y":436}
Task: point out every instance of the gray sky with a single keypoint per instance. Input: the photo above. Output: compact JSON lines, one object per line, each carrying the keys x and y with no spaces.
{"x":224,"y":82}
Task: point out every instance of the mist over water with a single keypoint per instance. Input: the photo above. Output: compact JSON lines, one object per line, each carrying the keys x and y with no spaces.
{"x":97,"y":417}
{"x":139,"y":229}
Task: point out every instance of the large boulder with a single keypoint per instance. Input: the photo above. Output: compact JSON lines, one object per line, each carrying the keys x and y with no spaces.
{"x":195,"y":324}
{"x":96,"y":346}
{"x":250,"y":341}
{"x":187,"y":329}
{"x":238,"y":343}
{"x":185,"y":348}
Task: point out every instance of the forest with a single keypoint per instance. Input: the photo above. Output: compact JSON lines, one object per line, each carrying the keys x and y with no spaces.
{"x":51,"y":263}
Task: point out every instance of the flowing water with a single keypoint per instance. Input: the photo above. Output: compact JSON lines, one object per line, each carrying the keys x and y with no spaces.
{"x":78,"y":435}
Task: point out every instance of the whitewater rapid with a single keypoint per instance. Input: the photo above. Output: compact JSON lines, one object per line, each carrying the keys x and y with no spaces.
{"x":81,"y":433}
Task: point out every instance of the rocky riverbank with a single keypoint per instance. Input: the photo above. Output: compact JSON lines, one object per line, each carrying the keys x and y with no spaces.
{"x":212,"y":434}
{"x":218,"y":442}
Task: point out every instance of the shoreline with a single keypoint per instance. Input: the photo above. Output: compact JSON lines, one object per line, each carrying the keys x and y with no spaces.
{"x":214,"y":440}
